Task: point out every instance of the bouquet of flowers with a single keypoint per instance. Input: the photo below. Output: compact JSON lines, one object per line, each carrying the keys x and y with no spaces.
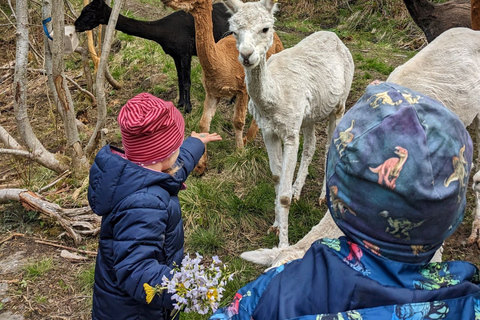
{"x":195,"y":288}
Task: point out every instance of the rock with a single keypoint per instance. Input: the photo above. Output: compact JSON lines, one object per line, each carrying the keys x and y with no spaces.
{"x":71,"y":256}
{"x":12,"y":263}
{"x":10,"y":316}
{"x":3,"y":289}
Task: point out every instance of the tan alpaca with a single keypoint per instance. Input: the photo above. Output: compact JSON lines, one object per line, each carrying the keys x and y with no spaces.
{"x":222,"y":74}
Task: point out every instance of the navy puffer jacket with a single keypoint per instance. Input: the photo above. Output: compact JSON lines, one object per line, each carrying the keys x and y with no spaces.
{"x":141,"y":234}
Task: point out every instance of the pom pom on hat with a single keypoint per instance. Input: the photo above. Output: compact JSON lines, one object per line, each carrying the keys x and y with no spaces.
{"x":397,"y":173}
{"x":152,"y":129}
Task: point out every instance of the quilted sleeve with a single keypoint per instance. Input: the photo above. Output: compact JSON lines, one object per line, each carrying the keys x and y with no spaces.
{"x":190,"y":153}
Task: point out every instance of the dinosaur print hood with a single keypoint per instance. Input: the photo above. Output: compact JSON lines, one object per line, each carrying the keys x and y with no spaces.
{"x":397,"y":173}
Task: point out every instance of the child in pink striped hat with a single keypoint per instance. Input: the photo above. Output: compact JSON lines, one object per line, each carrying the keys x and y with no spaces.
{"x":135,"y":191}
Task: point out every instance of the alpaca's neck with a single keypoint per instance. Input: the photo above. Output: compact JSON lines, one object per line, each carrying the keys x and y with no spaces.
{"x":419,"y":9}
{"x":261,"y":86}
{"x":150,"y":30}
{"x":207,"y":55}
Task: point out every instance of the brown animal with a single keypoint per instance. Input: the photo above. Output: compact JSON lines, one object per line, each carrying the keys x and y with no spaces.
{"x":475,"y":14}
{"x":222,"y":74}
{"x":435,"y":18}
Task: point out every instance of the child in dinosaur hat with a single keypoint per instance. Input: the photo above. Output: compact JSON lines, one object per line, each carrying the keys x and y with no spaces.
{"x":397,"y":174}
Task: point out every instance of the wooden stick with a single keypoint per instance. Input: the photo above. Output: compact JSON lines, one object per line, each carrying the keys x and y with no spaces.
{"x":62,"y":176}
{"x":92,"y":253}
{"x":10,"y":281}
{"x":15,"y":234}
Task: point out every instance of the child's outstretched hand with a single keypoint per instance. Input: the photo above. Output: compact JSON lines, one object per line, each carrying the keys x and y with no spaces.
{"x":206,"y":137}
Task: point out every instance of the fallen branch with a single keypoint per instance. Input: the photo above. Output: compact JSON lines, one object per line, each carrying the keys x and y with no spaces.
{"x":76,"y":222}
{"x":10,"y":281}
{"x":13,"y":235}
{"x":51,"y":184}
{"x":91,"y":253}
{"x":21,"y":153}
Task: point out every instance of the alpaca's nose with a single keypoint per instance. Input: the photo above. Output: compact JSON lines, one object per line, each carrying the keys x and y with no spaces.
{"x":246,"y":57}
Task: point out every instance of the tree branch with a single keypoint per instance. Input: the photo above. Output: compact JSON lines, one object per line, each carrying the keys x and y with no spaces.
{"x":21,"y":153}
{"x":100,"y":80}
{"x":75,"y":222}
{"x":20,"y":89}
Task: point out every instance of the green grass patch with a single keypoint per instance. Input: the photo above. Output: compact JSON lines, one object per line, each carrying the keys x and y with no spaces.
{"x":38,"y":268}
{"x":85,"y":279}
{"x":206,"y":241}
{"x":376,"y":65}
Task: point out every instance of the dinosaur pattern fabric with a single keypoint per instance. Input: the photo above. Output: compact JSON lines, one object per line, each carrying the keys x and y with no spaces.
{"x":446,"y":290}
{"x":397,"y":172}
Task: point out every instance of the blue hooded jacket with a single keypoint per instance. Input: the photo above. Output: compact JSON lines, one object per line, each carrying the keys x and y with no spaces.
{"x":339,"y":280}
{"x":141,"y":235}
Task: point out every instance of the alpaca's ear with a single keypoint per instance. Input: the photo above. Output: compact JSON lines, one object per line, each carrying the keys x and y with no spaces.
{"x":270,"y":5}
{"x":233,"y":5}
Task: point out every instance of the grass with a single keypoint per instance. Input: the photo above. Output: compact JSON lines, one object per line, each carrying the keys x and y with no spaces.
{"x":85,"y":278}
{"x":37,"y":269}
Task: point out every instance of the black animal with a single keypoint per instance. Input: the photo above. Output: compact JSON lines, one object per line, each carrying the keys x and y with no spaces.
{"x":435,"y":18}
{"x":175,"y":33}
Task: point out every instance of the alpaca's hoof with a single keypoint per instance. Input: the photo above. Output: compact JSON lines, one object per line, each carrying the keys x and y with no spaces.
{"x":475,"y":235}
{"x":295,"y":195}
{"x":274,"y":229}
{"x":188,"y":108}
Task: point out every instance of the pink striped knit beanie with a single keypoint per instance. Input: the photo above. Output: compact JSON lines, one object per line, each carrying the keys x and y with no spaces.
{"x":152,"y":129}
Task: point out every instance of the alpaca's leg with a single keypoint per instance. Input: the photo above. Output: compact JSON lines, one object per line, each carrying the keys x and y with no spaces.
{"x":475,"y":234}
{"x":181,"y":81}
{"x":327,"y":228}
{"x":251,"y":133}
{"x":276,"y":257}
{"x":477,"y":140}
{"x":274,"y":149}
{"x":239,"y":117}
{"x":284,"y":197}
{"x":186,"y":65}
{"x":309,"y":141}
{"x":333,"y":118}
{"x":209,"y":108}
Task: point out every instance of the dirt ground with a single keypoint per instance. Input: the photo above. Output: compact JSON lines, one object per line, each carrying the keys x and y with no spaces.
{"x":58,"y":295}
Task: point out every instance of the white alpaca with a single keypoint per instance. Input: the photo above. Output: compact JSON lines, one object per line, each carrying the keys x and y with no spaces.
{"x":290,"y":93}
{"x":448,"y":70}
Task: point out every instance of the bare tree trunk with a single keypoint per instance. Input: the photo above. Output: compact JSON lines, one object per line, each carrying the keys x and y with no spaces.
{"x":476,"y":14}
{"x":100,"y":80}
{"x":47,"y":13}
{"x":75,"y":149}
{"x":42,"y":155}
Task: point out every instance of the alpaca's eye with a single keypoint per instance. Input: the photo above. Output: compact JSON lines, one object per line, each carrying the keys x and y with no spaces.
{"x":265,"y":30}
